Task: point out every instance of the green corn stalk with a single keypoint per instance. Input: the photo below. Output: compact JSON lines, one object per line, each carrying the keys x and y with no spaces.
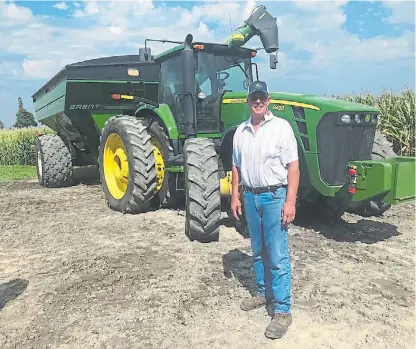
{"x":396,"y":119}
{"x":17,"y":146}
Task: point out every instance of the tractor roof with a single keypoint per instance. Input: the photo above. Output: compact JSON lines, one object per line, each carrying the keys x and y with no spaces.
{"x":210,"y":47}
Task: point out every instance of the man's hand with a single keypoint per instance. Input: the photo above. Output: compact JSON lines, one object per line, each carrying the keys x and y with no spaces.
{"x":288,"y":213}
{"x":236,"y":207}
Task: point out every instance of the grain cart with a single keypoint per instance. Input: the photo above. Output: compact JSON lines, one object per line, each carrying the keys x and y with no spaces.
{"x":160,"y":128}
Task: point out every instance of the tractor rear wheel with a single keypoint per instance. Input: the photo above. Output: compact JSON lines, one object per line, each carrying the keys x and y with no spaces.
{"x":382,"y":149}
{"x":53,"y":162}
{"x":127,"y":165}
{"x":202,"y":190}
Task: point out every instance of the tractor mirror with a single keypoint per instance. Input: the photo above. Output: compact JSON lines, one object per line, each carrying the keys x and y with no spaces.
{"x":273,"y":61}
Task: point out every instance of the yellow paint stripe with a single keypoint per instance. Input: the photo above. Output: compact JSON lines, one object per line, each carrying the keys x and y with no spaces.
{"x":234,"y":100}
{"x":238,"y":36}
{"x":126,"y":97}
{"x":273,"y":101}
{"x":297,"y":104}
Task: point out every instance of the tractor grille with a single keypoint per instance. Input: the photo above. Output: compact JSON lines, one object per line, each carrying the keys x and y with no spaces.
{"x":338,"y":144}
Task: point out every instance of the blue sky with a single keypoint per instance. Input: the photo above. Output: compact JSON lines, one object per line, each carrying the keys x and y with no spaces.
{"x":326,"y":47}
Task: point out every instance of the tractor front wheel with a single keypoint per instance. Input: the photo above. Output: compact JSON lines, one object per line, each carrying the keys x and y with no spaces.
{"x":127,"y":165}
{"x":167,"y":195}
{"x":202,"y":190}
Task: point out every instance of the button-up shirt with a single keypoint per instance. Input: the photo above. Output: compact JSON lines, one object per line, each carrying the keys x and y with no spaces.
{"x":262,"y":156}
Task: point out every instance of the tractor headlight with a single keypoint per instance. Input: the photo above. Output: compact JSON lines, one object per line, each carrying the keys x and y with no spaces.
{"x":346,"y":118}
{"x":358,"y":119}
{"x":374,"y":118}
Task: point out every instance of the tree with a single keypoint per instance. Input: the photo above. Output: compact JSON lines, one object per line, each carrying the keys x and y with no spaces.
{"x":23,"y":117}
{"x":1,"y":125}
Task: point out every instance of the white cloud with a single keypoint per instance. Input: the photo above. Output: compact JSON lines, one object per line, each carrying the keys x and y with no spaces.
{"x":13,"y":15}
{"x":121,"y":28}
{"x":90,"y":8}
{"x":401,"y":11}
{"x":61,"y":6}
{"x":319,"y":32}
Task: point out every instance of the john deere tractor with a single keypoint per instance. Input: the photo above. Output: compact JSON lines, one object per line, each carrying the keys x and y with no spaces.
{"x":160,"y":128}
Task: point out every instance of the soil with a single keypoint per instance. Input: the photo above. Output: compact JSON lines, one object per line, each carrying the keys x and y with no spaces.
{"x":74,"y":274}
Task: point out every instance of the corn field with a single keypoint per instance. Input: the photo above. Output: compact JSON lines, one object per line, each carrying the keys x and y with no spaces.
{"x":17,"y":146}
{"x":397,"y":117}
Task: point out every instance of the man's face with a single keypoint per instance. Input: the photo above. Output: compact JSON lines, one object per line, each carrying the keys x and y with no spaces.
{"x":259,"y":102}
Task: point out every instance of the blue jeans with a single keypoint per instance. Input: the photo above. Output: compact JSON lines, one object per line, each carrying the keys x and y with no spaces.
{"x":269,"y":242}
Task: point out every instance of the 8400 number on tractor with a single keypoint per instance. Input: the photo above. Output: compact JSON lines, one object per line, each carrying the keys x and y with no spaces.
{"x":160,"y":128}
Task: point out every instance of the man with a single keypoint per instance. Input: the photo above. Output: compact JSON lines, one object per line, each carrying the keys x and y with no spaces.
{"x":265,"y":158}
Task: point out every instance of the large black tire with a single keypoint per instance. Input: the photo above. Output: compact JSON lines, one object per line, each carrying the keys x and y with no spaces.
{"x":53,"y":162}
{"x":202,"y":190}
{"x":382,"y":149}
{"x":141,"y":180}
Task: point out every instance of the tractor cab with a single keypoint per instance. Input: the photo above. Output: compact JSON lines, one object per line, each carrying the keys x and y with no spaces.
{"x":204,"y":74}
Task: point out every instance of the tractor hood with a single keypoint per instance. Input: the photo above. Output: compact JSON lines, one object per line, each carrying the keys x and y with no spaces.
{"x":318,"y":102}
{"x":309,"y":101}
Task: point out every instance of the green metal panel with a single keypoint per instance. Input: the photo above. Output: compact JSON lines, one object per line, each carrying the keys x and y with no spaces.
{"x":168,"y":120}
{"x":373,"y":177}
{"x":395,"y":177}
{"x":315,"y":177}
{"x":165,"y":116}
{"x":404,"y":181}
{"x":100,"y":119}
{"x":51,"y":103}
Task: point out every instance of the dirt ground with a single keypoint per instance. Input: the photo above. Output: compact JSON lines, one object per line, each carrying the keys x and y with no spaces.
{"x":74,"y":274}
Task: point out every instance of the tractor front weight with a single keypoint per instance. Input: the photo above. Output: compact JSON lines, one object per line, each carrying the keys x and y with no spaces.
{"x":393,"y":179}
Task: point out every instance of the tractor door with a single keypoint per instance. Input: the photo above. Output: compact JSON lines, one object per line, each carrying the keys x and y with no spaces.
{"x":171,"y":87}
{"x":215,"y":75}
{"x":208,"y":95}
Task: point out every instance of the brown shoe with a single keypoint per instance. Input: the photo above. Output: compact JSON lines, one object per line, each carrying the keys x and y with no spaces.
{"x":278,"y":326}
{"x":253,"y":303}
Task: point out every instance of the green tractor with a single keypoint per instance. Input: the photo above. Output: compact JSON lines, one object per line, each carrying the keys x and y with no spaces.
{"x":160,"y":128}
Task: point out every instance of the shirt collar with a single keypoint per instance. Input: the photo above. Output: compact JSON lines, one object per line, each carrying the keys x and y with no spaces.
{"x":267,"y":117}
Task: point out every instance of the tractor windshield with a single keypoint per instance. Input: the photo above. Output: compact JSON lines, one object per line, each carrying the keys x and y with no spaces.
{"x":220,"y":73}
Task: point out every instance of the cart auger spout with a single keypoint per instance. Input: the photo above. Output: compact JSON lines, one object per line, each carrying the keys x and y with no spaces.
{"x":260,"y":23}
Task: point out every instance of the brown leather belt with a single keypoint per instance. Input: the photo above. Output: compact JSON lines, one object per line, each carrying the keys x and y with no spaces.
{"x":259,"y":190}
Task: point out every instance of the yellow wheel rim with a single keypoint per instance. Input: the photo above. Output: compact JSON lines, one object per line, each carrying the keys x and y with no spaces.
{"x":159,"y":162}
{"x":116,"y":166}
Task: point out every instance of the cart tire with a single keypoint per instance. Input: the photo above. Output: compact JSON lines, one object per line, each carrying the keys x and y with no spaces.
{"x":53,"y":162}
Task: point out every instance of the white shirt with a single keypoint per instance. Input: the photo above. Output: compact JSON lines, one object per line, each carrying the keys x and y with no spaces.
{"x":262,"y":156}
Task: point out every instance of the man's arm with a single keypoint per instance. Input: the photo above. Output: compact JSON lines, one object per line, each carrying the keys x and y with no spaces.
{"x":293,"y":175}
{"x":235,"y":195}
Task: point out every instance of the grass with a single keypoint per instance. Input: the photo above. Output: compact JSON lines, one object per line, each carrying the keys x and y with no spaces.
{"x":19,"y":172}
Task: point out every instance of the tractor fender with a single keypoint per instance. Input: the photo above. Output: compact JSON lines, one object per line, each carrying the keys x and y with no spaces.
{"x":226,"y":148}
{"x":164,"y":117}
